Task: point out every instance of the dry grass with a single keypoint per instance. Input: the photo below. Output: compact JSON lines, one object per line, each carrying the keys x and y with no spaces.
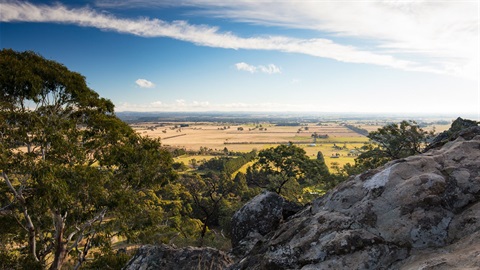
{"x":216,"y":137}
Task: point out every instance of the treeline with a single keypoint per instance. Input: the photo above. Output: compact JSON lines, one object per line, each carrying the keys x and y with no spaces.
{"x":177,"y":152}
{"x":220,"y":117}
{"x":288,"y":124}
{"x":228,"y":165}
{"x":358,"y":130}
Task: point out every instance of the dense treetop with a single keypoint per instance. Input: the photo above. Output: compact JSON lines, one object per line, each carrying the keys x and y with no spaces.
{"x":67,"y":163}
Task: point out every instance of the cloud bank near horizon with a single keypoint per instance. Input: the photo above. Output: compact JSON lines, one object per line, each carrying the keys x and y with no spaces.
{"x":182,"y":105}
{"x":441,"y":53}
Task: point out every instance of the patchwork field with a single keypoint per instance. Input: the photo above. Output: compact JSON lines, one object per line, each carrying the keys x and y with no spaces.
{"x":337,"y":142}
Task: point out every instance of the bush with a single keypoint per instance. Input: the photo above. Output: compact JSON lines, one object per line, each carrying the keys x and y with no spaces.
{"x":109,"y":260}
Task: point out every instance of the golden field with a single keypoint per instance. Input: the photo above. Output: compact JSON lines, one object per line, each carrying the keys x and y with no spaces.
{"x":217,"y":136}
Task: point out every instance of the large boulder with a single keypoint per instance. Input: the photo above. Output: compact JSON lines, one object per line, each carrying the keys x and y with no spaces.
{"x":257,"y":218}
{"x":169,"y":258}
{"x":417,"y":212}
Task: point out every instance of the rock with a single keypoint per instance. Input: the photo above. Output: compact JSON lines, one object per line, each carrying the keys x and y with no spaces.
{"x":462,"y":254}
{"x":168,"y":258}
{"x":420,"y":212}
{"x":257,"y":218}
{"x":460,"y":128}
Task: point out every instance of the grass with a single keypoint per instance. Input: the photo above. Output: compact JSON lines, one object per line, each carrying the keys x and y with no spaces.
{"x":186,"y":158}
{"x":243,"y":169}
{"x":213,"y":136}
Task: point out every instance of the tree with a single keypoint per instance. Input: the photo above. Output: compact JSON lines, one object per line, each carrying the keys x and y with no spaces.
{"x":320,"y":156}
{"x":208,"y":193}
{"x":393,"y":141}
{"x":193,"y":162}
{"x":65,"y":162}
{"x":284,"y":169}
{"x":399,"y":140}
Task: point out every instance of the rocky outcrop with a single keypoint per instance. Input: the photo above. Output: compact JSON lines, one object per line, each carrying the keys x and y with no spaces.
{"x":421,"y":212}
{"x":464,"y":128}
{"x":257,"y":218}
{"x":169,"y":258}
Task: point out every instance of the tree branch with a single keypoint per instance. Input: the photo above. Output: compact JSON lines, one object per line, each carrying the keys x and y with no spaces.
{"x":30,"y":227}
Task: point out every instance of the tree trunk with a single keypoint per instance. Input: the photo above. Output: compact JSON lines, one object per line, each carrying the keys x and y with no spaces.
{"x":204,"y":230}
{"x":60,"y":245}
{"x":32,"y":242}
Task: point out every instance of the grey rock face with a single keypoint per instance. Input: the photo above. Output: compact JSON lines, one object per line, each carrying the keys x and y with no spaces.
{"x":168,"y":258}
{"x":460,"y":128}
{"x":257,"y":218}
{"x":421,"y":212}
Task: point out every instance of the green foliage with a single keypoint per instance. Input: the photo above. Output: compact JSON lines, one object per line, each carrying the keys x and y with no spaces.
{"x":72,"y":174}
{"x":286,"y":169}
{"x":208,"y":194}
{"x":401,"y":140}
{"x":15,"y":260}
{"x":179,"y":166}
{"x":228,"y":165}
{"x":393,"y":141}
{"x":107,"y":260}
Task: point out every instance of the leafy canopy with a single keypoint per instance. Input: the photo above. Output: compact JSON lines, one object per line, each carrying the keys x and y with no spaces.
{"x":285,"y":169}
{"x":66,"y":163}
{"x":393,"y":141}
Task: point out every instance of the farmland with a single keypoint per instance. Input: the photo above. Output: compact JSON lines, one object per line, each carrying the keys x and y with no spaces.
{"x":334,"y":139}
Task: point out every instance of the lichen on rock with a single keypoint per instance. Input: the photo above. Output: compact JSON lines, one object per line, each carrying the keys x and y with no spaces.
{"x":418,"y":212}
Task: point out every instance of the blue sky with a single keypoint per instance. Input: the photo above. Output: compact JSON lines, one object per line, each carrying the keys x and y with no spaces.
{"x":307,"y":56}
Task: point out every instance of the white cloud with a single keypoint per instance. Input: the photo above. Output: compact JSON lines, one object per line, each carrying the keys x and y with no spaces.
{"x":301,"y":16}
{"x":269,"y":69}
{"x":144,"y":83}
{"x":439,"y":36}
{"x":180,"y":103}
{"x":245,"y":67}
{"x":200,"y":34}
{"x":199,"y":106}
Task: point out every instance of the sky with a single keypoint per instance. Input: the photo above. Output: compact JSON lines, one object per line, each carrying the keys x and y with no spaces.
{"x":283,"y":56}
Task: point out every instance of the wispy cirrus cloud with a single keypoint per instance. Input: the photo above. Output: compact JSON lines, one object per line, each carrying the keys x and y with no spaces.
{"x":269,"y":69}
{"x":204,"y":35}
{"x":144,"y":83}
{"x":439,"y":36}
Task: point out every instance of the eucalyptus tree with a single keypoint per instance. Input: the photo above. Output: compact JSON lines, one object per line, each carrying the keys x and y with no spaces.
{"x":208,"y":194}
{"x":393,"y":141}
{"x":285,"y":169}
{"x":67,"y":163}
